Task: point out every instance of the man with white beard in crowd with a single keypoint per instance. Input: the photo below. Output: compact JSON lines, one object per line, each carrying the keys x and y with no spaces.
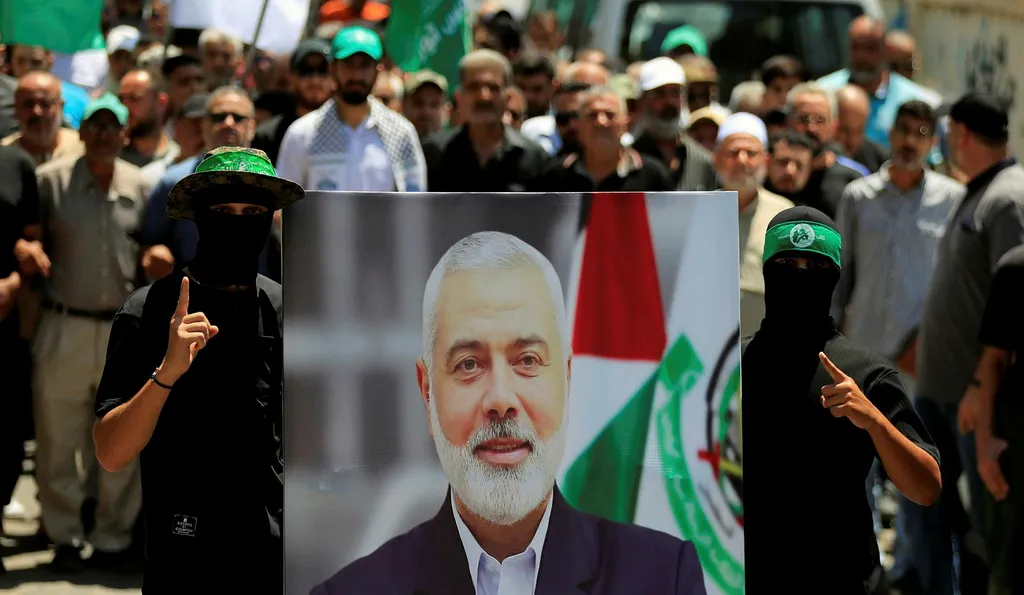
{"x":741,"y":162}
{"x":494,"y":378}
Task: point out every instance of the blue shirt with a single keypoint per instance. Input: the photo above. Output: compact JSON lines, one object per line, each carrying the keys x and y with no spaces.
{"x":75,"y":100}
{"x":885,"y":101}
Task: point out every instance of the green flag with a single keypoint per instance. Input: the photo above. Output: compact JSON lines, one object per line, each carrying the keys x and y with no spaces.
{"x":64,"y":26}
{"x":428,"y":34}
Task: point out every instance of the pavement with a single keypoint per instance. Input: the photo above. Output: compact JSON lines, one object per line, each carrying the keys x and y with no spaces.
{"x":27,"y":558}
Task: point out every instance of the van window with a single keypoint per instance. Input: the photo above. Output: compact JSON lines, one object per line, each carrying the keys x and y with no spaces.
{"x":741,"y":34}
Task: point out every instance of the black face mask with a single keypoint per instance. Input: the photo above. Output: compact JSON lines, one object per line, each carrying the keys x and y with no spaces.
{"x":230,"y":246}
{"x":798,"y":298}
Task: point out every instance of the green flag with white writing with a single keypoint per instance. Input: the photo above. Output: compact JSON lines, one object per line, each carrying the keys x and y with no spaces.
{"x":430,"y":34}
{"x":64,"y":26}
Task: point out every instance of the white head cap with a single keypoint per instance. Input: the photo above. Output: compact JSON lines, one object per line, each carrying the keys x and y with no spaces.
{"x":743,"y":123}
{"x":122,"y":37}
{"x":660,"y":72}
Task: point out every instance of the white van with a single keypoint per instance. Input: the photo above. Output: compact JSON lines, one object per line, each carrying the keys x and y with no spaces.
{"x":741,"y":34}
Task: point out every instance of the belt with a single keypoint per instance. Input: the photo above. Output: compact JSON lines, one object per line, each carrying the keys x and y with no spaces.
{"x":105,"y":315}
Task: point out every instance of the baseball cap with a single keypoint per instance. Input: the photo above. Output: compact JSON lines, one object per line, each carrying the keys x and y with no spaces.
{"x":984,"y":115}
{"x":310,"y":47}
{"x":122,"y":37}
{"x":354,"y":40}
{"x":194,"y":107}
{"x":685,"y":35}
{"x":624,"y":86}
{"x":660,"y":72}
{"x":172,"y":64}
{"x":108,"y":102}
{"x":417,"y":79}
{"x":706,"y":113}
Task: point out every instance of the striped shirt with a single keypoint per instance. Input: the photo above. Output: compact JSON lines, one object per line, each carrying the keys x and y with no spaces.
{"x":889,"y":244}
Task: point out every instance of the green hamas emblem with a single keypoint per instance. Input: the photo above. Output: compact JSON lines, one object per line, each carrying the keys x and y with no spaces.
{"x":705,"y":502}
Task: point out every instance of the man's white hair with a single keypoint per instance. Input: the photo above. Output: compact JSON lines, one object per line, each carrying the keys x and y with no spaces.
{"x":745,"y":94}
{"x":488,"y":250}
{"x":812,"y":89}
{"x":209,"y":36}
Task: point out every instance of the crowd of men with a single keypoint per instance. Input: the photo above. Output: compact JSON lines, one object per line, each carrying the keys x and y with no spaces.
{"x":922,"y":189}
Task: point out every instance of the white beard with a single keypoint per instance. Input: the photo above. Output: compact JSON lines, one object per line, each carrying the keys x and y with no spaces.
{"x":500,"y":495}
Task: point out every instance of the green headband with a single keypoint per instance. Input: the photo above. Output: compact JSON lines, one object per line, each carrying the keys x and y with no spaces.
{"x":804,"y":236}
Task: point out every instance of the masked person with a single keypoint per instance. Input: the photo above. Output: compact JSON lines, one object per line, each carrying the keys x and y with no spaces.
{"x":202,"y":404}
{"x":818,"y":403}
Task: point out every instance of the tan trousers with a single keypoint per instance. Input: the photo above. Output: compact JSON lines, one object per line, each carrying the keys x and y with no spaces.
{"x":69,"y":354}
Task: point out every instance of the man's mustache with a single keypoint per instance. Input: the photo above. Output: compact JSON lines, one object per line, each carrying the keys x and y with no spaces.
{"x":485,"y":106}
{"x":507,"y":429}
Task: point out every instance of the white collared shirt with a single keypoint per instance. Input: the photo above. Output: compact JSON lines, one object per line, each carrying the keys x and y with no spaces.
{"x":517,"y":575}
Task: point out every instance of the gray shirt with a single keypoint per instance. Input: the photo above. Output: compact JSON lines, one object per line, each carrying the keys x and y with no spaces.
{"x":88,"y":233}
{"x":987,"y":224}
{"x":889,"y":244}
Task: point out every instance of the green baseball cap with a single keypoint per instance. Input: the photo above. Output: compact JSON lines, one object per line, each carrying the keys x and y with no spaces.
{"x":355,"y":40}
{"x":685,"y":35}
{"x":108,"y":102}
{"x":227,"y":167}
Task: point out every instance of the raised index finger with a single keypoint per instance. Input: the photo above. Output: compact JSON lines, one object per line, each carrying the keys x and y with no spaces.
{"x":183,"y":298}
{"x":833,"y":371}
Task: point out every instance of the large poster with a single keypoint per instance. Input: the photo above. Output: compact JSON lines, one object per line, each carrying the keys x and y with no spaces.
{"x":534,"y":356}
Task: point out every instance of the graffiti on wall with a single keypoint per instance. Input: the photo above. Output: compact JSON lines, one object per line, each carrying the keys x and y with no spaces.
{"x":988,"y":68}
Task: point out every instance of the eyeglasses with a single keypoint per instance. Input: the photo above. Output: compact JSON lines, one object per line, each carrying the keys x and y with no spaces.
{"x":220,"y":118}
{"x":810,"y":119}
{"x":565,"y":118}
{"x":45,"y":104}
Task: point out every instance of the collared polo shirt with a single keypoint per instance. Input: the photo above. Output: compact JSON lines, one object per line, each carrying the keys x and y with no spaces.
{"x":453,"y":165}
{"x":90,"y":234}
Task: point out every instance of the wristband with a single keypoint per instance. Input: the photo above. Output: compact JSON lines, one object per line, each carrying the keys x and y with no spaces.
{"x":158,"y":383}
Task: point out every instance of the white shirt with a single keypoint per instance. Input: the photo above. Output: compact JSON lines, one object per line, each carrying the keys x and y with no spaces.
{"x":320,"y":152}
{"x":517,"y":575}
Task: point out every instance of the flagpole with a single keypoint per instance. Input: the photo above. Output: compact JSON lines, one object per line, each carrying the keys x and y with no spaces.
{"x":252,"y":47}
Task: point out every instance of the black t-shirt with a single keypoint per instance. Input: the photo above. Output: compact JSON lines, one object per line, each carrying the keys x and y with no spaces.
{"x":212,"y":473}
{"x":638,"y":174}
{"x":19,"y":207}
{"x":789,"y":437}
{"x":270,"y":133}
{"x":453,"y":166}
{"x":1002,"y":326}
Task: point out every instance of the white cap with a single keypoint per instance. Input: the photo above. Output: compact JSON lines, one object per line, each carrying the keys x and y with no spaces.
{"x":122,"y":37}
{"x":660,"y":72}
{"x":743,"y":123}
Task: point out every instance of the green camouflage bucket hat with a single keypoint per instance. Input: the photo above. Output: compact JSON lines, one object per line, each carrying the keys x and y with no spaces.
{"x":231,"y":167}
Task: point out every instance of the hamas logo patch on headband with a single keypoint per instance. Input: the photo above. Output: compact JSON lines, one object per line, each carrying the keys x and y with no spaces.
{"x":804,"y":236}
{"x":801,"y":236}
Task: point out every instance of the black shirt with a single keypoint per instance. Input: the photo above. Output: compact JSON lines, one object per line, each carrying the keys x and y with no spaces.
{"x":1002,"y":326}
{"x":212,"y":473}
{"x":788,"y":433}
{"x":270,"y":133}
{"x":691,"y":166}
{"x":453,"y":166}
{"x":19,"y":207}
{"x":871,"y":155}
{"x":635,"y":174}
{"x":8,"y":123}
{"x":824,"y":188}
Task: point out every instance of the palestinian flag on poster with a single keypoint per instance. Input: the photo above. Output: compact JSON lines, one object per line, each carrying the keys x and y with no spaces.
{"x":654,"y":413}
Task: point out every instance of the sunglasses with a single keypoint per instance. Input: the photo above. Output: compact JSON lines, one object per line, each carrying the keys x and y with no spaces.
{"x":305,"y":72}
{"x":222,"y":117}
{"x":564,"y":118}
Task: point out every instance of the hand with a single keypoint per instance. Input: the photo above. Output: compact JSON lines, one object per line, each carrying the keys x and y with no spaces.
{"x":32,"y":259}
{"x":189,"y":334}
{"x":9,"y":289}
{"x":907,"y":361}
{"x":967,"y":414}
{"x":158,"y":262}
{"x":989,"y":448}
{"x":845,"y":399}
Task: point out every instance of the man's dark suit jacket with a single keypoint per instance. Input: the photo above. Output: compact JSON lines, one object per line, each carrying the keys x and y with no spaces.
{"x":583,"y":554}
